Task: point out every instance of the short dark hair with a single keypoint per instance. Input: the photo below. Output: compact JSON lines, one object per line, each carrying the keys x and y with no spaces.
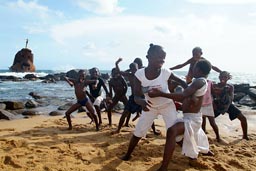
{"x":155,"y":51}
{"x":204,"y":66}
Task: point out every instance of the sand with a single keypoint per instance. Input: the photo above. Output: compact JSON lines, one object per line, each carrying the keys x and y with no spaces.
{"x":43,"y":143}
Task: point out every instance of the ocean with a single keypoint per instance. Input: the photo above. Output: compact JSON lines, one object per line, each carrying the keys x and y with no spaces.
{"x":61,"y":92}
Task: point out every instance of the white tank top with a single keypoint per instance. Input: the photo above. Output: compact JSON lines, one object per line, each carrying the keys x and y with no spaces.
{"x":161,"y":83}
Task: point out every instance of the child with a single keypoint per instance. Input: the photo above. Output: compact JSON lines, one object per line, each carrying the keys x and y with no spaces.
{"x":131,"y":106}
{"x":207,"y":111}
{"x":197,"y":54}
{"x":82,"y":99}
{"x":119,"y":86}
{"x":194,"y":138}
{"x":152,"y":76}
{"x":223,"y":95}
{"x":96,"y":91}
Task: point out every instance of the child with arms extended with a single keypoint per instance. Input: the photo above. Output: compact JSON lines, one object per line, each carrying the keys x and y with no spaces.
{"x":117,"y":84}
{"x":82,"y":100}
{"x":223,"y":95}
{"x":197,"y":54}
{"x":189,"y":128}
{"x":152,"y":76}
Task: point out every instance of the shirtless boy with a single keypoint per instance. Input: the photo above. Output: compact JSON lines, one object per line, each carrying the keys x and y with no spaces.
{"x":82,"y":99}
{"x":223,"y":95}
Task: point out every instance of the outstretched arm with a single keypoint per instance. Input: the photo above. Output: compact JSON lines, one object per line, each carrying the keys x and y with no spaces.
{"x":70,"y":81}
{"x":216,"y":69}
{"x":118,"y":69}
{"x":181,"y":65}
{"x":178,"y":80}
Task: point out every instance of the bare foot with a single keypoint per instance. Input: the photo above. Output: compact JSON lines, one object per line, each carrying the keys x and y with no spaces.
{"x":210,"y":153}
{"x":69,"y":128}
{"x":125,"y":158}
{"x":246,"y":137}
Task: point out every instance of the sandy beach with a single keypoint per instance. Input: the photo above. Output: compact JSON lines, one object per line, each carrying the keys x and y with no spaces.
{"x":43,"y":143}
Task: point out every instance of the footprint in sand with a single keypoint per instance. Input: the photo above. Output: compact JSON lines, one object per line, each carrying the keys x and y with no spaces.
{"x":9,"y":161}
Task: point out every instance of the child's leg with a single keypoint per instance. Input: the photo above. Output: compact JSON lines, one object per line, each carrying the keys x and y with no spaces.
{"x":128,"y":119}
{"x":204,"y":124}
{"x":214,"y":127}
{"x":68,"y":113}
{"x":137,"y":116}
{"x":110,"y":107}
{"x":243,"y":121}
{"x":92,"y":112}
{"x":133,"y":142}
{"x":121,"y":121}
{"x":172,"y":132}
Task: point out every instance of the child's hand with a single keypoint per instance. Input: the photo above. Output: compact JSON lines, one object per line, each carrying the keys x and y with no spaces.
{"x":119,"y":60}
{"x":154,"y":92}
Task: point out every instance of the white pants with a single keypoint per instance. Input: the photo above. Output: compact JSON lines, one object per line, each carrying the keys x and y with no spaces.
{"x":98,"y":101}
{"x":168,"y":112}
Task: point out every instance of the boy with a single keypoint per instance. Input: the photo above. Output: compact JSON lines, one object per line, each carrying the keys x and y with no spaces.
{"x":197,"y":54}
{"x":119,"y":86}
{"x":194,"y":138}
{"x":82,"y":99}
{"x":96,"y":91}
{"x":223,"y":95}
{"x":152,"y":76}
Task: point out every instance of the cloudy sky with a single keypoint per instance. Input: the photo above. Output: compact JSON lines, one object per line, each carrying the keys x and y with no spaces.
{"x":70,"y":34}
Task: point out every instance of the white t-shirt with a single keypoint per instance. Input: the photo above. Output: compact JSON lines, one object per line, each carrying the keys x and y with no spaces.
{"x":161,"y":83}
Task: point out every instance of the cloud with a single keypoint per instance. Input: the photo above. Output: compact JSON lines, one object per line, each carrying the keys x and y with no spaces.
{"x":217,"y":2}
{"x":100,"y":6}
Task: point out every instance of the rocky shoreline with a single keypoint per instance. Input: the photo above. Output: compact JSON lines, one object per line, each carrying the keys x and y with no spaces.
{"x":245,"y":95}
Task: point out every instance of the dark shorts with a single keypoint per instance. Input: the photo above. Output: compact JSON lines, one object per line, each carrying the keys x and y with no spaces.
{"x":83,"y":102}
{"x":233,"y":112}
{"x":131,"y":106}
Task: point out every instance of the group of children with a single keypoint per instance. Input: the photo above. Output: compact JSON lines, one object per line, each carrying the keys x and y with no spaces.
{"x":151,"y":96}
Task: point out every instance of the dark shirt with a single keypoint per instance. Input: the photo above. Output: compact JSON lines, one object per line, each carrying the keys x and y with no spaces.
{"x":97,"y":91}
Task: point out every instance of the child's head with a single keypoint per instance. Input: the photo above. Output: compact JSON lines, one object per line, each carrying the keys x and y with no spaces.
{"x":81,"y":74}
{"x":139,"y":62}
{"x":202,"y":68}
{"x":94,"y":72}
{"x":114,"y":73}
{"x":197,"y":52}
{"x":156,"y":56}
{"x":133,"y":67}
{"x":224,"y":76}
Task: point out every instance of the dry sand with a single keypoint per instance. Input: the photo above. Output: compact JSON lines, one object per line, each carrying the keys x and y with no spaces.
{"x":43,"y":144}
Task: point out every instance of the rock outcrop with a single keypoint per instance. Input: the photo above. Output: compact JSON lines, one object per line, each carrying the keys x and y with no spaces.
{"x":23,"y":61}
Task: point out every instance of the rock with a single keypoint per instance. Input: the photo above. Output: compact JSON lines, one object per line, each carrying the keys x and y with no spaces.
{"x":55,"y":113}
{"x":23,"y":61}
{"x":241,"y":88}
{"x":30,"y":77}
{"x":73,"y":73}
{"x":238,"y":96}
{"x":6,"y":115}
{"x":2,"y":106}
{"x":252,"y":92}
{"x":31,"y":113}
{"x":248,"y":101}
{"x":65,"y":106}
{"x":31,"y":104}
{"x":34,"y":95}
{"x":11,"y":105}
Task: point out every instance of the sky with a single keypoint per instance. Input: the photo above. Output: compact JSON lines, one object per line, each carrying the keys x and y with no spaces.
{"x":82,"y":34}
